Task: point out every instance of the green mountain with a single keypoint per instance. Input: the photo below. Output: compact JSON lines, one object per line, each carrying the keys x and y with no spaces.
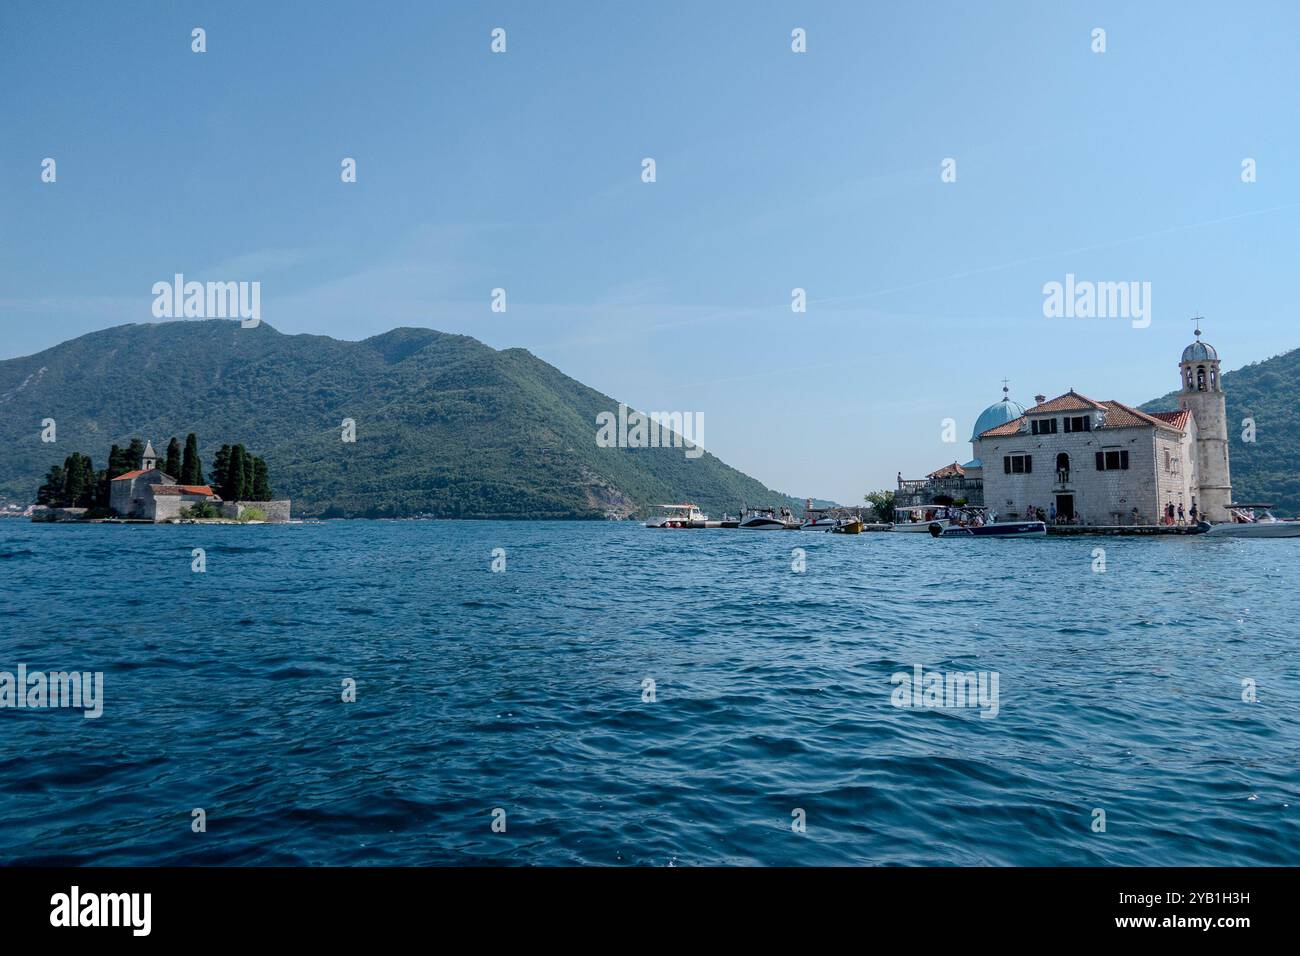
{"x":445,"y":425}
{"x":1269,"y":392}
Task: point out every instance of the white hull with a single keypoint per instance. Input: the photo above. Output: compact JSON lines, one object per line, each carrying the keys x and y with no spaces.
{"x":821,"y":524}
{"x":920,"y":527}
{"x":1257,"y":529}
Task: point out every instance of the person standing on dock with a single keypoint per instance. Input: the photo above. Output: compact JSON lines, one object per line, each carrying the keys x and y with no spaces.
{"x":1182,"y":517}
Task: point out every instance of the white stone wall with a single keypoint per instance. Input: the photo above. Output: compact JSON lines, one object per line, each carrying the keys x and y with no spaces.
{"x":1098,"y":495}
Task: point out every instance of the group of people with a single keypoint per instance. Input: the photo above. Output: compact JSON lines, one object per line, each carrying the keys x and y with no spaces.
{"x":1178,"y":515}
{"x":1051,"y":516}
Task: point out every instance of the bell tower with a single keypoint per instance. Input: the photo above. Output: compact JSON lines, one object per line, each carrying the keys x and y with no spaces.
{"x":1202,"y":395}
{"x":150,"y":457}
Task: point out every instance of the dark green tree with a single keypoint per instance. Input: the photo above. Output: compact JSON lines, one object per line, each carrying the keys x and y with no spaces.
{"x":74,"y":480}
{"x":261,"y":481}
{"x":220,"y":471}
{"x":173,"y":463}
{"x":117,"y":463}
{"x":237,"y":475}
{"x":191,"y":466}
{"x":89,"y":485}
{"x":51,"y":491}
{"x":134,"y":455}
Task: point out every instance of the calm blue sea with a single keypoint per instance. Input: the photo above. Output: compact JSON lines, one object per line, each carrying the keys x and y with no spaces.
{"x":1119,"y":691}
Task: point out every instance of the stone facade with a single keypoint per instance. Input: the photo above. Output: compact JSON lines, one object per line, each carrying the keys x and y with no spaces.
{"x":1107,"y":463}
{"x":1063,"y":472}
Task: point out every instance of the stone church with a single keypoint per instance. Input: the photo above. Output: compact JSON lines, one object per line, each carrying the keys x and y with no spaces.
{"x":152,"y":494}
{"x":1106,"y":462}
{"x":1102,"y":462}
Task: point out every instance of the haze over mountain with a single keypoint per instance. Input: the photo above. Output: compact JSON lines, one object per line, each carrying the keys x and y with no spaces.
{"x":445,"y":425}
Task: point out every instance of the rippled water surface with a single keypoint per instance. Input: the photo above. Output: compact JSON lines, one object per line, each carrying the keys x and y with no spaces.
{"x":522,"y":690}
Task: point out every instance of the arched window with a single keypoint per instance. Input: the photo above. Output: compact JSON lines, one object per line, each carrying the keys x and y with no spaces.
{"x":1214,"y":378}
{"x":1187,"y":378}
{"x":1200,"y":378}
{"x":1062,"y":467}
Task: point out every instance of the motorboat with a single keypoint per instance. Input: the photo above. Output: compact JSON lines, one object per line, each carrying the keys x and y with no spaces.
{"x":819,"y":519}
{"x":969,"y":522}
{"x":679,"y":516}
{"x":918,"y":518}
{"x":767,"y":519}
{"x":1253,"y":521}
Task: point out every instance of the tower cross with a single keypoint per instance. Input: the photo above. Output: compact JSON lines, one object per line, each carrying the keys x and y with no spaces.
{"x":1197,"y":319}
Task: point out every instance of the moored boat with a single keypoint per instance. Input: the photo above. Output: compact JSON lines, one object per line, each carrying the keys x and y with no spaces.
{"x":1246,"y":523}
{"x":918,"y":518}
{"x":679,"y":516}
{"x":969,"y":522}
{"x":766,"y":519}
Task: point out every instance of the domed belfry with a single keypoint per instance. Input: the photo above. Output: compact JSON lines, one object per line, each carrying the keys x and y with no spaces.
{"x":1202,"y":395}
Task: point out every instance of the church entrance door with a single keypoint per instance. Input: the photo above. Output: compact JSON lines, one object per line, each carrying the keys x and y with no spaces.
{"x":1065,"y":507}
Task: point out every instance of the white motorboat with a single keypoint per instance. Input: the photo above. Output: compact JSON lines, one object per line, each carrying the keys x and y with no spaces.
{"x":766,"y":519}
{"x":1248,"y":523}
{"x":679,"y":516}
{"x":919,"y":518}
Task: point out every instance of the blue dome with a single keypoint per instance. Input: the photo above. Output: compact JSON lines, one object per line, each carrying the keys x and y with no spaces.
{"x":995,"y":415}
{"x":1200,"y":351}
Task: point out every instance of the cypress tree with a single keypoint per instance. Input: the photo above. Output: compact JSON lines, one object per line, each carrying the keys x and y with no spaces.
{"x":261,"y":481}
{"x":51,"y":491}
{"x":191,"y":466}
{"x":103,"y":488}
{"x":237,"y":475}
{"x":89,"y":486}
{"x":250,"y":468}
{"x":221,"y":471}
{"x":134,"y":455}
{"x":117,"y":464}
{"x":74,"y":480}
{"x":173,"y":464}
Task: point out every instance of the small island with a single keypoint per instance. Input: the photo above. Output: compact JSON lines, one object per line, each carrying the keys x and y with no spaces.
{"x":133,"y":488}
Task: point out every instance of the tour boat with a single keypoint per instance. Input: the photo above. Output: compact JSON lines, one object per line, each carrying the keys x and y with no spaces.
{"x":918,"y":518}
{"x":679,"y":516}
{"x":1246,"y":523}
{"x":765,"y":519}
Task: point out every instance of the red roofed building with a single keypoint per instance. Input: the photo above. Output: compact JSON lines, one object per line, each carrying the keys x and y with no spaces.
{"x":153,"y":495}
{"x":1110,"y":463}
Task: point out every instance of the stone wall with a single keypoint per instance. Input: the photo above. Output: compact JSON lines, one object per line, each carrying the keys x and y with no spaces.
{"x":275,"y":511}
{"x":1098,"y":495}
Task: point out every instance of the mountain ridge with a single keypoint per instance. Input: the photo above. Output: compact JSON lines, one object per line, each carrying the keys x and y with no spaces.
{"x":445,"y":424}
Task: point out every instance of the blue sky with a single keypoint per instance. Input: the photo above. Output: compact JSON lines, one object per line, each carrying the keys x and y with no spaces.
{"x":775,"y":171}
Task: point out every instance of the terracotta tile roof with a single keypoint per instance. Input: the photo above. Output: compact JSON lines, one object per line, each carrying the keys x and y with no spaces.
{"x":1118,"y":415}
{"x":1010,"y":428}
{"x":181,"y":490}
{"x":1177,"y":419}
{"x":142,"y":471}
{"x":1069,"y":402}
{"x":949,"y":471}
